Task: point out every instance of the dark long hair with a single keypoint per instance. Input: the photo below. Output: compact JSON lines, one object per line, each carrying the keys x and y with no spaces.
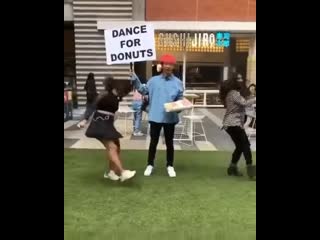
{"x":108,"y":83}
{"x":227,"y":86}
{"x":122,"y":87}
{"x":90,"y":85}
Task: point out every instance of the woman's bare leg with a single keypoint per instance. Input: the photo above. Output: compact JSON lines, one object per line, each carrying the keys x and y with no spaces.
{"x":113,"y":156}
{"x":113,"y":149}
{"x":112,"y":166}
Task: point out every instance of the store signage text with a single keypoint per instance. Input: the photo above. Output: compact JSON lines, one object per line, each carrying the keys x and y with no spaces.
{"x":187,"y":39}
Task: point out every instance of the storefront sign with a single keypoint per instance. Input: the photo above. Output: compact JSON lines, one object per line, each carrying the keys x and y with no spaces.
{"x":195,"y":40}
{"x":130,"y":44}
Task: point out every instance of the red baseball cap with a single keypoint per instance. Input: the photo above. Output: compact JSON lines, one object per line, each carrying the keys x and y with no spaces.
{"x":168,"y":58}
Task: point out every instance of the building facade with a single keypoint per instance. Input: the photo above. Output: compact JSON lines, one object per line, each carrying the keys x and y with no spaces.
{"x":202,"y":65}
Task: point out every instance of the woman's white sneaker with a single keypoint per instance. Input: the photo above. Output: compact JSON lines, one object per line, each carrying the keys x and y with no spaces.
{"x":111,"y":175}
{"x":82,"y":124}
{"x":126,"y":175}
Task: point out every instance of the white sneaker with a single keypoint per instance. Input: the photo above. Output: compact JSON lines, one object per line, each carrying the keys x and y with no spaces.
{"x":81,"y":124}
{"x":111,"y":175}
{"x":138,"y":134}
{"x":171,"y":172}
{"x":148,"y":171}
{"x":127,"y":174}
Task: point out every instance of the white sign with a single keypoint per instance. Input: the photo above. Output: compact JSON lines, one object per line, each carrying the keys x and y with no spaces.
{"x":130,"y":44}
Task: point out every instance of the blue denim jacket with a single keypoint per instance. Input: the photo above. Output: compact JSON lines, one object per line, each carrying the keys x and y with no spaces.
{"x":161,"y":90}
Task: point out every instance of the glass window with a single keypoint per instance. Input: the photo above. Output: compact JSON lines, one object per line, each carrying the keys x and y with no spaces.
{"x":203,"y":76}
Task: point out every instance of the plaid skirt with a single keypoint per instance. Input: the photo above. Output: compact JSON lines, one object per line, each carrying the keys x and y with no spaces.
{"x":102,"y":127}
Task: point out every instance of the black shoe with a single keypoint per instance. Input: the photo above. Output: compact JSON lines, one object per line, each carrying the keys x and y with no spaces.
{"x":251,"y":171}
{"x":233,"y":171}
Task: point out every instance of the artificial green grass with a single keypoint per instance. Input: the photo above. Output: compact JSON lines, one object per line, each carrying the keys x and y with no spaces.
{"x":202,"y":202}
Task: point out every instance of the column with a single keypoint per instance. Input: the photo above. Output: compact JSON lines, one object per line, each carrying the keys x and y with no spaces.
{"x":138,"y":11}
{"x":226,"y":62}
{"x":148,"y":69}
{"x":184,"y":56}
{"x":251,"y":62}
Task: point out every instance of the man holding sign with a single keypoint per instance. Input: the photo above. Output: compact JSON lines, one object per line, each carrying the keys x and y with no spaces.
{"x":161,"y":89}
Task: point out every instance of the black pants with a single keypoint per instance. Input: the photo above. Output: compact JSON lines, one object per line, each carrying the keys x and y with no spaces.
{"x":240,"y":139}
{"x":155,"y":129}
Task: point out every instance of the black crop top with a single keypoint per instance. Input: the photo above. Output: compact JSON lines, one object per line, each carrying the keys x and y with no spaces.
{"x":108,"y":102}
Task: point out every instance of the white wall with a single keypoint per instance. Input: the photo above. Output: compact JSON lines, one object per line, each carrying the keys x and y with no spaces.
{"x":68,"y":12}
{"x":251,"y":61}
{"x":138,"y":12}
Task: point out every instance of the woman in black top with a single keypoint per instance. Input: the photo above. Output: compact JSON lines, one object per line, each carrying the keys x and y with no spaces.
{"x":91,"y":93}
{"x":102,"y":128}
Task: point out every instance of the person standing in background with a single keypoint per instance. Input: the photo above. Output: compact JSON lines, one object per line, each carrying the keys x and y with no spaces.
{"x":137,"y":106}
{"x":91,"y":94}
{"x":137,"y":115}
